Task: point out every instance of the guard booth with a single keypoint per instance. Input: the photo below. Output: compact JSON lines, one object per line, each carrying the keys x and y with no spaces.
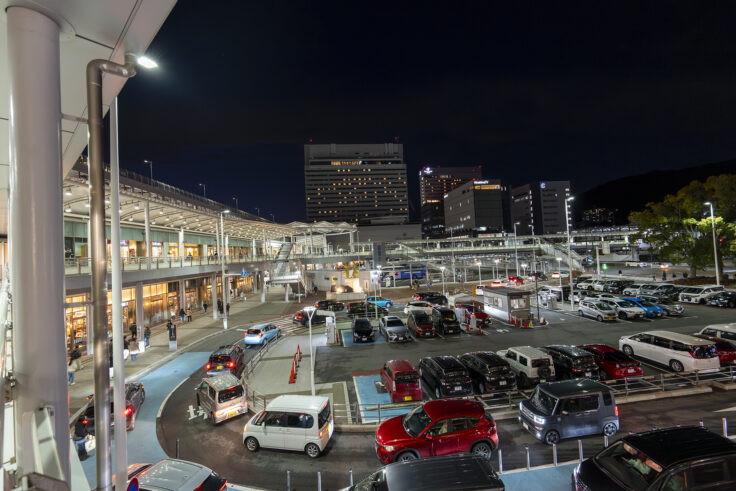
{"x":508,"y":305}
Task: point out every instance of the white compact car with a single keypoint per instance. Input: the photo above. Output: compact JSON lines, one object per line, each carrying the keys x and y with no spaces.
{"x":596,"y":309}
{"x":175,"y":475}
{"x":420,"y":305}
{"x":624,"y":308}
{"x":680,"y":352}
{"x":531,"y":365}
{"x":699,"y":294}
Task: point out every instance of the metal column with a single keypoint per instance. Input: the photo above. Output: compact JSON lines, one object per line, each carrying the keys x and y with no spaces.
{"x":36,"y":226}
{"x":214,"y":296}
{"x":225,"y":286}
{"x":227,"y":245}
{"x":181,"y":243}
{"x":182,"y":295}
{"x":139,"y":314}
{"x":253,"y":250}
{"x":147,"y":225}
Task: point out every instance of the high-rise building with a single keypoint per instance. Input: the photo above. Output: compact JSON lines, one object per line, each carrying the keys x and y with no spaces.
{"x":434,"y":183}
{"x":539,"y":207}
{"x":478,"y":207}
{"x":355,"y":183}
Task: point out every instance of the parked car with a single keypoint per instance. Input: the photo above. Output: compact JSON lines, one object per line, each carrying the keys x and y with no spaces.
{"x":445,"y":320}
{"x":624,"y":309}
{"x":175,"y":475}
{"x":437,"y":428}
{"x":720,"y":332}
{"x":723,"y":299}
{"x":531,"y":365}
{"x":668,"y":306}
{"x":302,"y":317}
{"x":538,"y":276}
{"x":580,"y":278}
{"x":488,"y":371}
{"x":393,"y":329}
{"x":381,"y":302}
{"x":649,"y":288}
{"x":517,"y":280}
{"x":569,"y":409}
{"x":331,"y":305}
{"x":617,"y":286}
{"x":421,"y":324}
{"x":560,"y":293}
{"x":612,"y":363}
{"x":135,"y":394}
{"x":228,"y":358}
{"x":418,"y":305}
{"x":680,"y":458}
{"x":262,"y":334}
{"x":401,"y":381}
{"x":222,"y":397}
{"x":560,"y":274}
{"x":699,"y":294}
{"x":475,"y":309}
{"x":341,"y":289}
{"x":292,"y":422}
{"x":362,"y":330}
{"x":725,"y":350}
{"x":435,"y":298}
{"x":585,"y":284}
{"x":650,"y":309}
{"x":364,"y":309}
{"x":631,"y":290}
{"x":680,"y":352}
{"x":445,"y":376}
{"x":599,"y":310}
{"x":460,"y":471}
{"x":571,"y":362}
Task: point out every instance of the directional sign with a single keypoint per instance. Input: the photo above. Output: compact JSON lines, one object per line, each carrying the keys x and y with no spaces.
{"x":243,"y":273}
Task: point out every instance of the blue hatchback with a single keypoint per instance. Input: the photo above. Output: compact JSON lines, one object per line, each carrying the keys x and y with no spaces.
{"x":649,"y":308}
{"x":380,"y":301}
{"x":261,"y":333}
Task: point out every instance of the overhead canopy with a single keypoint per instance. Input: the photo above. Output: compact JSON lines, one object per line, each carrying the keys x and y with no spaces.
{"x":323,"y":227}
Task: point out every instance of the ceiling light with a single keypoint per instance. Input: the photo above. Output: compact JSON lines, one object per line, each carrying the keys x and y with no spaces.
{"x":147,"y":62}
{"x":68,"y":192}
{"x":68,"y":209}
{"x":86,"y":205}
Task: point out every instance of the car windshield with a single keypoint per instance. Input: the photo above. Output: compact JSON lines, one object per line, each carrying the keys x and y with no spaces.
{"x":363,"y":324}
{"x":421,"y":319}
{"x":394,"y":322}
{"x":231,"y":393}
{"x":629,"y":466}
{"x":543,"y":402}
{"x":625,"y":303}
{"x":448,"y":315}
{"x":407,"y":378}
{"x":644,"y":303}
{"x":415,"y":421}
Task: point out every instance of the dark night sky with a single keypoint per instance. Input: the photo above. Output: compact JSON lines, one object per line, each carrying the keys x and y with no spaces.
{"x":530,"y":90}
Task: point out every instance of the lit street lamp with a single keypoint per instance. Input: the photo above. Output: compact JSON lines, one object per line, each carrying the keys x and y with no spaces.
{"x":524,"y":266}
{"x":516,"y":250}
{"x":150,"y":165}
{"x":715,"y":248}
{"x":559,"y":271}
{"x":442,"y":268}
{"x":480,"y":281}
{"x":495,"y":271}
{"x":204,"y":189}
{"x":235,"y":198}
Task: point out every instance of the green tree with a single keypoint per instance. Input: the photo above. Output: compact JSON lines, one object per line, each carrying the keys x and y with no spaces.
{"x":679,"y":227}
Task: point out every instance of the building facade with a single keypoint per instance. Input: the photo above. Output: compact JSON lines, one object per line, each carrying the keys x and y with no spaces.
{"x":355,"y":183}
{"x":477,"y":208}
{"x":599,"y":217}
{"x":434,"y":183}
{"x":539,"y":207}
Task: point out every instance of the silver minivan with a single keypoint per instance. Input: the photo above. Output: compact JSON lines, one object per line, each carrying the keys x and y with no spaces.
{"x":222,"y":397}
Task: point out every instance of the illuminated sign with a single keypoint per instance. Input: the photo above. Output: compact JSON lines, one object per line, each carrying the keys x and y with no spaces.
{"x":480,"y":182}
{"x":543,"y":185}
{"x":427,"y":170}
{"x":345,"y":162}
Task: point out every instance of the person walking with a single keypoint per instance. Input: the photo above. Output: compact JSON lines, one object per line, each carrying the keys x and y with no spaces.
{"x":80,"y":437}
{"x":219,"y":306}
{"x":227,"y":308}
{"x":204,"y":306}
{"x":182,"y":314}
{"x":189,"y":315}
{"x":71,"y":369}
{"x":133,"y":332}
{"x":147,"y":335}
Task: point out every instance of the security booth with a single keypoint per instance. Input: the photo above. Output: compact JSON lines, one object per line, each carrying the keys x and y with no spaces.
{"x":508,"y":305}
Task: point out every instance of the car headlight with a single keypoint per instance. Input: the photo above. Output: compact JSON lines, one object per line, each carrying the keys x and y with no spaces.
{"x":389,"y":448}
{"x":539,"y":420}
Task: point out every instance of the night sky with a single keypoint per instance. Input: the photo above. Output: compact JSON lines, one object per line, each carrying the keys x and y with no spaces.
{"x":530,"y":90}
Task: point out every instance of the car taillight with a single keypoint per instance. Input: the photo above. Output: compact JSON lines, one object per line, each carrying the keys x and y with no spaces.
{"x":208,"y":366}
{"x":615,"y":410}
{"x":618,"y":366}
{"x":260,"y":334}
{"x":231,"y":364}
{"x":84,"y":421}
{"x":128,"y":411}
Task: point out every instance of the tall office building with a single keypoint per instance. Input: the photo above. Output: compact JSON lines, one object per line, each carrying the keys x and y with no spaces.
{"x":434,"y":183}
{"x":355,"y":183}
{"x":477,"y":208}
{"x":539,"y":207}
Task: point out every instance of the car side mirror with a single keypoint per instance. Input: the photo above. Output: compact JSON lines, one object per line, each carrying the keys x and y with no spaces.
{"x":428,"y":436}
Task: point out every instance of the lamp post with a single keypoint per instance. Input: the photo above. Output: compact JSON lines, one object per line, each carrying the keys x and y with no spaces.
{"x":480,"y":281}
{"x":516,"y":250}
{"x":562,"y":293}
{"x":380,"y":278}
{"x":258,"y":211}
{"x":495,"y":271}
{"x":235,"y":198}
{"x":375,"y":294}
{"x":150,"y":166}
{"x":715,"y":248}
{"x":569,"y":249}
{"x":204,"y":189}
{"x":310,"y":313}
{"x":523,"y":265}
{"x":273,"y":218}
{"x":225,"y":283}
{"x":442,"y":268}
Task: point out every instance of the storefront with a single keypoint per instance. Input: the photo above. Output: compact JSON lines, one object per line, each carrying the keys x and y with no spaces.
{"x":157,"y":249}
{"x":173,"y":249}
{"x":193,"y":294}
{"x":160,"y":302}
{"x":75,"y":320}
{"x":191,"y":250}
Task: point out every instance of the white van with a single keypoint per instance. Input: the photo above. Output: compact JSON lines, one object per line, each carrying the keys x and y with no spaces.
{"x":680,"y":352}
{"x":292,"y":422}
{"x":699,"y":294}
{"x":718,"y":332}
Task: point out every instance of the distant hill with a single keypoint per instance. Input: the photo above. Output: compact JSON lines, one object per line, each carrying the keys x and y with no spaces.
{"x":634,"y":192}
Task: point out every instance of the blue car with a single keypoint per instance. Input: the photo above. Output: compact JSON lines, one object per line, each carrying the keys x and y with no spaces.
{"x":650,"y":309}
{"x":381,"y":302}
{"x":261,"y":334}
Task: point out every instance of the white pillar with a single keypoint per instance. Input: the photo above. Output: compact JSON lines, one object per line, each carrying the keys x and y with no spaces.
{"x":181,"y":243}
{"x":227,"y":245}
{"x":36,"y":234}
{"x":139,"y":317}
{"x":253,"y":250}
{"x":214,"y":296}
{"x":147,"y":224}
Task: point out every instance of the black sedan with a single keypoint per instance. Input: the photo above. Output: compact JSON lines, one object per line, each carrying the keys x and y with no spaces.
{"x":302,"y":318}
{"x":723,"y":299}
{"x":366,"y":309}
{"x":135,"y":394}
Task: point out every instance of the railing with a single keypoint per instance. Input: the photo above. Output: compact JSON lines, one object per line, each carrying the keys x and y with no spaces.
{"x":251,"y":365}
{"x":81,"y":265}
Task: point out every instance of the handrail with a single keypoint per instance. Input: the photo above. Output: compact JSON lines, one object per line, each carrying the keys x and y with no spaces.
{"x":5,"y":324}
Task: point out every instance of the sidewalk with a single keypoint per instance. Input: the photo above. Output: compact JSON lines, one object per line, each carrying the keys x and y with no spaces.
{"x":189,"y":333}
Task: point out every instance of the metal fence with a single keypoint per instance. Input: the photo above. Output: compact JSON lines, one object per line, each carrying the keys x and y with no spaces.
{"x":81,"y":265}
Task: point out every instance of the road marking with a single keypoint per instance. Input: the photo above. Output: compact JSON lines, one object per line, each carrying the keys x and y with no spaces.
{"x":728,"y":409}
{"x":196,"y":413}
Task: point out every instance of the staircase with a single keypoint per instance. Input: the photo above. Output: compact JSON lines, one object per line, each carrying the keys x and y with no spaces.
{"x":554,"y":251}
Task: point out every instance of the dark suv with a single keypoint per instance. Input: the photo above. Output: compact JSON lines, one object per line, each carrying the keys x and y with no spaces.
{"x":445,"y":320}
{"x":688,"y":457}
{"x":362,"y":330}
{"x":572,"y":362}
{"x":489,"y":372}
{"x":330,"y":305}
{"x":616,"y":286}
{"x":445,"y":376}
{"x":228,"y":358}
{"x":365,"y":309}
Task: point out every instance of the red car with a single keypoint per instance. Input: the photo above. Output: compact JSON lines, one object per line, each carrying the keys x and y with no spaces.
{"x":612,"y":363}
{"x":440,"y":427}
{"x":516,"y":280}
{"x":420,"y":324}
{"x":401,"y":380}
{"x":725,"y":350}
{"x":473,"y":309}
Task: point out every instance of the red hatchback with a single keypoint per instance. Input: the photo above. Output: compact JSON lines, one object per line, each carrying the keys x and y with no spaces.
{"x":401,"y":380}
{"x":471,"y":308}
{"x":612,"y":363}
{"x":420,"y":324}
{"x":440,"y":427}
{"x":725,"y":350}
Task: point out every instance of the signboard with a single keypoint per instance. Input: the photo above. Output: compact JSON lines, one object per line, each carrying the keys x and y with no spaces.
{"x":133,"y":484}
{"x":243,"y":273}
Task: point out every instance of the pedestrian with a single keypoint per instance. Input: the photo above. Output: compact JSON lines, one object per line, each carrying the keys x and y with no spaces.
{"x":219,"y":306}
{"x":227,"y":308}
{"x":133,"y":332}
{"x":73,"y":366}
{"x":189,"y":315}
{"x":126,"y":348}
{"x":80,"y":437}
{"x":147,"y":335}
{"x":204,"y":306}
{"x":182,"y":314}
{"x":620,"y":273}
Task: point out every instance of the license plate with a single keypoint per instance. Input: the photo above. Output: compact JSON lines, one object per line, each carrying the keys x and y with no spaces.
{"x":631,"y":370}
{"x":458,"y":387}
{"x":587,"y":374}
{"x":502,"y":382}
{"x":364,"y":338}
{"x":407,"y":398}
{"x":219,"y":367}
{"x":526,"y":426}
{"x":232,"y":413}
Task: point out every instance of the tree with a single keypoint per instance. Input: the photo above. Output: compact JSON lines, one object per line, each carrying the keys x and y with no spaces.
{"x":679,"y":227}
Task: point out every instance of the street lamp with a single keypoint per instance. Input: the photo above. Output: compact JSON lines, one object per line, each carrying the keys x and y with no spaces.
{"x":225,"y":283}
{"x":495,"y":271}
{"x":516,"y":250}
{"x":569,"y":249}
{"x":442,"y":268}
{"x":258,"y":210}
{"x":523,"y":265}
{"x":310,"y":312}
{"x":150,"y":165}
{"x":715,"y":248}
{"x":380,"y":278}
{"x":559,"y":272}
{"x":204,"y":189}
{"x":480,"y":281}
{"x":273,"y":218}
{"x":235,"y":198}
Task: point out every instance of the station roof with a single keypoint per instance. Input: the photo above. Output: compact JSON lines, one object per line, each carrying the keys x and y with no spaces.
{"x":323,"y":227}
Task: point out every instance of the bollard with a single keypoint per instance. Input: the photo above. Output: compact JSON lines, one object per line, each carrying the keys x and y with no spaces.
{"x":554,"y":454}
{"x":605,"y":441}
{"x":696,"y":378}
{"x":725,"y":427}
{"x":500,"y":461}
{"x":177,"y":448}
{"x":580,"y":450}
{"x":351,"y":477}
{"x":288,"y":480}
{"x":319,"y":481}
{"x":379,"y":412}
{"x":528,"y":458}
